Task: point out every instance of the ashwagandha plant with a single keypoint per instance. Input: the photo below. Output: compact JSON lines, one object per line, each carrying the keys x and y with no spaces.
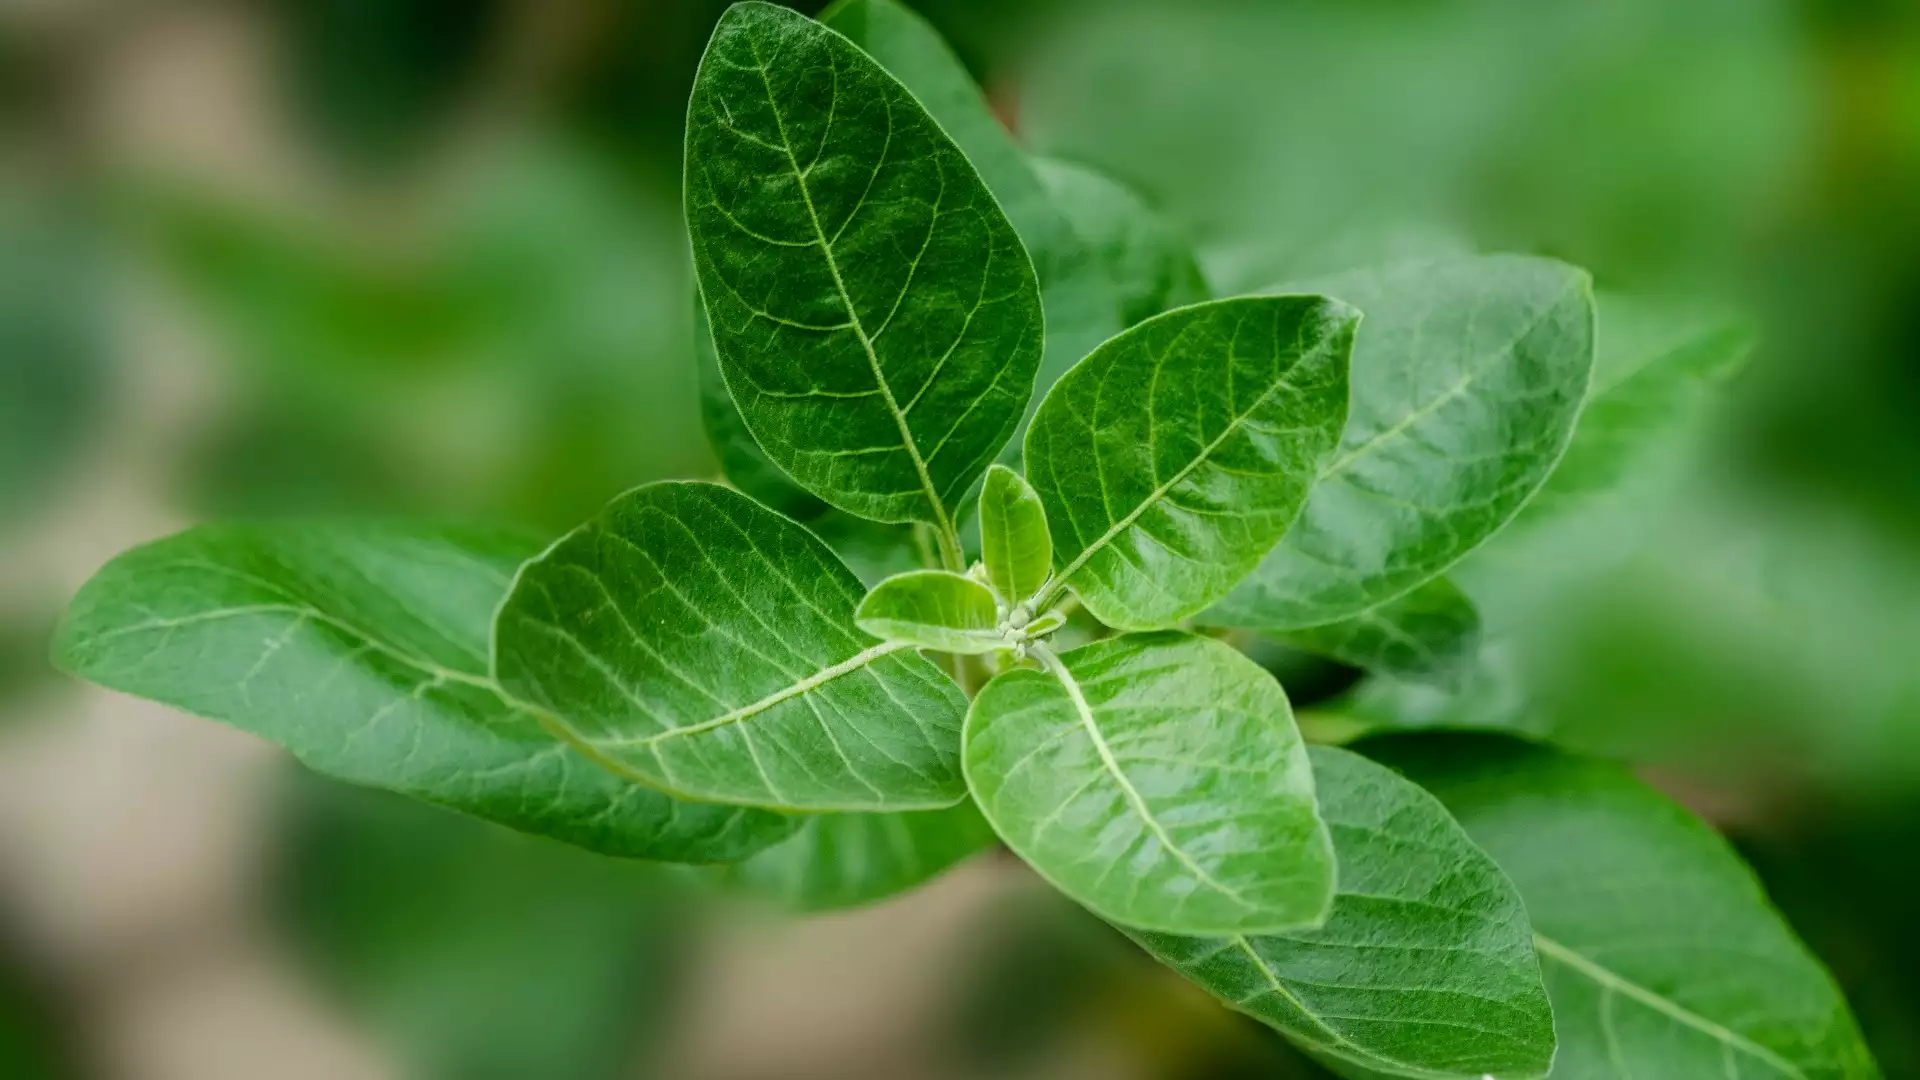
{"x":694,"y":676}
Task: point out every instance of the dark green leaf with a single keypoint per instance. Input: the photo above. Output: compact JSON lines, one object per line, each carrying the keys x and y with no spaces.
{"x":1082,"y":309}
{"x":1429,"y":634}
{"x":1172,"y":458}
{"x":876,"y":317}
{"x":1150,"y":263}
{"x":362,"y":648}
{"x":1014,"y":542}
{"x":840,"y":861}
{"x":1663,"y":956}
{"x":933,"y":609}
{"x":1425,"y":967}
{"x":1655,"y":375}
{"x":691,"y":638}
{"x":745,"y":465}
{"x":1466,"y":384}
{"x":1157,"y":779}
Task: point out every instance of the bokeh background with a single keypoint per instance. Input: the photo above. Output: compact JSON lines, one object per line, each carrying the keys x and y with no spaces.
{"x":425,"y":257}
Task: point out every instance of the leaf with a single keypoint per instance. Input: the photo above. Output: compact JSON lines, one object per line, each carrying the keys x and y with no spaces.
{"x":1014,"y":542}
{"x":1172,"y":458}
{"x":362,"y":649}
{"x":1151,"y":265}
{"x":933,"y":609}
{"x":1664,"y":958}
{"x":1158,"y":780}
{"x":692,"y":639}
{"x":1079,"y":298}
{"x":839,"y":861}
{"x":1466,"y":384}
{"x":745,"y":465}
{"x":876,"y":318}
{"x":1425,"y":967}
{"x":1489,"y":693}
{"x":1429,"y":634}
{"x":1656,"y":373}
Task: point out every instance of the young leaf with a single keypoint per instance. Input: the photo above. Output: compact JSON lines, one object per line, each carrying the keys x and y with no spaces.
{"x":1369,"y":991}
{"x":1151,"y":265}
{"x":1082,"y":308}
{"x":877,"y":320}
{"x":745,"y":465}
{"x":1663,"y":956}
{"x":694,"y":640}
{"x":1466,"y":384}
{"x":362,"y":649}
{"x":933,"y":609}
{"x":1654,"y":376}
{"x":839,"y":861}
{"x":1429,"y":634}
{"x":1173,"y":457}
{"x":1158,"y":780}
{"x":1014,"y":542}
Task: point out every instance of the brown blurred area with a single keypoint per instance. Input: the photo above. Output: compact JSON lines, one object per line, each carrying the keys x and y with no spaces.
{"x":425,"y":258}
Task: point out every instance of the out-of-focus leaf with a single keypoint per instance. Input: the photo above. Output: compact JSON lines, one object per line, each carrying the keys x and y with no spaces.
{"x":362,"y":648}
{"x":692,"y":639}
{"x":933,"y":609}
{"x":1157,"y":779}
{"x":1488,"y":694}
{"x":1150,"y":264}
{"x":1664,"y":958}
{"x":472,"y":953}
{"x":1653,"y":378}
{"x":1172,"y":458}
{"x":840,"y":861}
{"x":1365,"y":992}
{"x":877,"y":319}
{"x":1467,"y":379}
{"x":1427,"y":635}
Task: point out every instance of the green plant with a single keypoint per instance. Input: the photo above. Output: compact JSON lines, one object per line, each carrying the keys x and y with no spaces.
{"x":885,"y":277}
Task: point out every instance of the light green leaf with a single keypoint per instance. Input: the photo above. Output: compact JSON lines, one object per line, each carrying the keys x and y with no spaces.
{"x":692,"y":639}
{"x":1014,"y":542}
{"x":933,"y":609}
{"x":839,"y":861}
{"x":877,"y":319}
{"x":1664,"y":958}
{"x":1654,"y":379}
{"x":1082,"y":308}
{"x":1158,"y":780}
{"x":1425,"y":967}
{"x":1151,"y":265}
{"x":1429,"y":634}
{"x":1173,"y":457}
{"x":744,"y":464}
{"x":362,"y":648}
{"x":1466,"y":384}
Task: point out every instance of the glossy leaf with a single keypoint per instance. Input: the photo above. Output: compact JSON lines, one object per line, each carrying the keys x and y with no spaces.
{"x":1079,"y":298}
{"x":1429,"y":634}
{"x":1014,"y":542}
{"x":839,"y":861}
{"x":744,"y":464}
{"x":876,"y":317}
{"x":1425,"y":966}
{"x":362,"y":649}
{"x":1664,"y":958}
{"x":1466,"y":384}
{"x":1172,"y":458}
{"x":1655,"y":376}
{"x":1158,"y":780}
{"x":695,"y":640}
{"x":933,"y":609}
{"x":1151,"y":265}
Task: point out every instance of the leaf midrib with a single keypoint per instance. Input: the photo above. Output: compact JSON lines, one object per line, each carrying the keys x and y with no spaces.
{"x":941,"y":519}
{"x":1610,"y":980}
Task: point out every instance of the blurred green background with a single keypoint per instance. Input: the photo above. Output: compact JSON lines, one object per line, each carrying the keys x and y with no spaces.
{"x":425,"y":258}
